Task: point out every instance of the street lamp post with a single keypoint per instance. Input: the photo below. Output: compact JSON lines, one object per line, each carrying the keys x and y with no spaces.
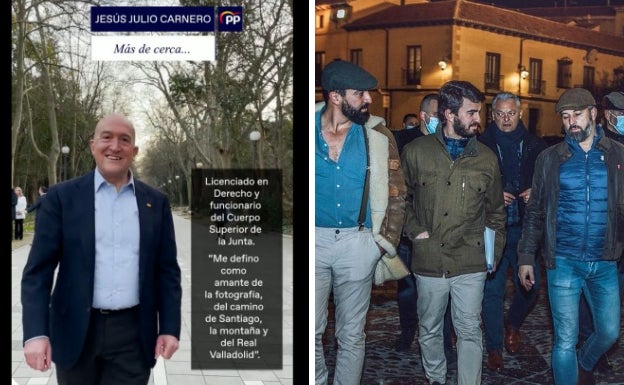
{"x":179,"y":187}
{"x":255,"y":136}
{"x":193,"y":204}
{"x":170,"y":189}
{"x":65,"y":151}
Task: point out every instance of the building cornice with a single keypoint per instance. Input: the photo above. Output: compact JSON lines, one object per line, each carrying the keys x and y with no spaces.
{"x":489,"y":18}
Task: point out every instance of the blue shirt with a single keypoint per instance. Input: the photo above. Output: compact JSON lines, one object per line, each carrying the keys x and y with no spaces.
{"x":340,"y":185}
{"x":117,"y":236}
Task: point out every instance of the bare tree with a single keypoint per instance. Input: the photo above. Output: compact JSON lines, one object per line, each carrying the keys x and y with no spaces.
{"x":217,"y":104}
{"x":45,"y":59}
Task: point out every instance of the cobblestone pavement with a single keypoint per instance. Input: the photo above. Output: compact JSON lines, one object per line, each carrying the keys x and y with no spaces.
{"x":530,"y":366}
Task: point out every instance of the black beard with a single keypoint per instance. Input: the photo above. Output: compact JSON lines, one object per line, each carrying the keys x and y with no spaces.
{"x":581,"y":135}
{"x":356,"y":115}
{"x":461,"y":130}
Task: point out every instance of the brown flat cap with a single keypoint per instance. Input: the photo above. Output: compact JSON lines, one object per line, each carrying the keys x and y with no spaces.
{"x":575,"y":99}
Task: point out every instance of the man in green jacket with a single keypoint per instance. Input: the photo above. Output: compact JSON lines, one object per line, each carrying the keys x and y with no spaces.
{"x":454,"y":190}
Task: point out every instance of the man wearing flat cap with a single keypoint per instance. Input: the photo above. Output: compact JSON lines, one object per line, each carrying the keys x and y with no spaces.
{"x":613,"y":106}
{"x":359,"y":208}
{"x":576,"y":212}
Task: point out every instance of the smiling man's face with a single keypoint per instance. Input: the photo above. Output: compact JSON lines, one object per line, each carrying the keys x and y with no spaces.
{"x":113,"y":148}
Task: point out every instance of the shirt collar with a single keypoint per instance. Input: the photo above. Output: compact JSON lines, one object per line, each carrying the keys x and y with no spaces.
{"x":99,"y":180}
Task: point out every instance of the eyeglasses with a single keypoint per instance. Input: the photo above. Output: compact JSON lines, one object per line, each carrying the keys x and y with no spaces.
{"x":502,"y":114}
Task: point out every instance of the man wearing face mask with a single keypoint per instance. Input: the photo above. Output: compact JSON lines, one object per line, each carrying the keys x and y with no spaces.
{"x":613,"y":105}
{"x":429,"y":114}
{"x":409,"y":131}
{"x":428,"y":122}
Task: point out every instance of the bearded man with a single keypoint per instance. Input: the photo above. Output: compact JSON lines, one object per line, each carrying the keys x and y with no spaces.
{"x":575,"y":218}
{"x":359,"y":211}
{"x":454,"y":190}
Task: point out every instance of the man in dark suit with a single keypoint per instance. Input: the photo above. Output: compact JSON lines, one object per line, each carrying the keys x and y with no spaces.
{"x":116,"y":303}
{"x":43,"y":190}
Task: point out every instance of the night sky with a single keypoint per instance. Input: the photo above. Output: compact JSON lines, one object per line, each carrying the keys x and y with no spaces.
{"x":549,"y":3}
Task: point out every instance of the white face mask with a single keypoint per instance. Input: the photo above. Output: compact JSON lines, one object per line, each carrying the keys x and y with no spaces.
{"x":409,"y":127}
{"x":433,"y":123}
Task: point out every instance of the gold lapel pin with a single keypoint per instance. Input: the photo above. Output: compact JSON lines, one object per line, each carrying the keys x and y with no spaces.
{"x":149,"y":205}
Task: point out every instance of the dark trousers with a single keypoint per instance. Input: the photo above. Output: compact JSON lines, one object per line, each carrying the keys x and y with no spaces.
{"x":112,"y":353}
{"x":407,"y":295}
{"x":494,"y":294}
{"x":19,"y":228}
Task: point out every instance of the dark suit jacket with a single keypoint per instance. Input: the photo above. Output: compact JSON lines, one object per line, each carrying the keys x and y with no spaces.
{"x":404,"y":136}
{"x":37,"y":204}
{"x":532,"y":146}
{"x":65,"y":237}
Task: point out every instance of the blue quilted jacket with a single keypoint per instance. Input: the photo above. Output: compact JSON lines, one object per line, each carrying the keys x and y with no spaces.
{"x":542,"y":211}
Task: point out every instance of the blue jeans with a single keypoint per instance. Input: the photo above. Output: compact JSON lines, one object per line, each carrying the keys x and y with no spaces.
{"x":586,"y":325}
{"x":407,"y":299}
{"x":494,"y":294}
{"x":598,"y":281}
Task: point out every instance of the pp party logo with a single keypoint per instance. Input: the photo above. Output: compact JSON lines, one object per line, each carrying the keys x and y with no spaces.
{"x":230,"y":19}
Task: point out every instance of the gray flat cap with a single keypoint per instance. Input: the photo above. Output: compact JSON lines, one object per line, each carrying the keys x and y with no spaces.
{"x":342,"y":75}
{"x":613,"y":101}
{"x":575,"y":99}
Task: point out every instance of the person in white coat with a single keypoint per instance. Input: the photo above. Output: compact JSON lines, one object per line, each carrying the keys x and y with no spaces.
{"x":20,"y":213}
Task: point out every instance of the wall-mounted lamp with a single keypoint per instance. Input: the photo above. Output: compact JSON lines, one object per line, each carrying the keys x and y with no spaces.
{"x":523,"y":71}
{"x":442,"y":64}
{"x":340,"y":13}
